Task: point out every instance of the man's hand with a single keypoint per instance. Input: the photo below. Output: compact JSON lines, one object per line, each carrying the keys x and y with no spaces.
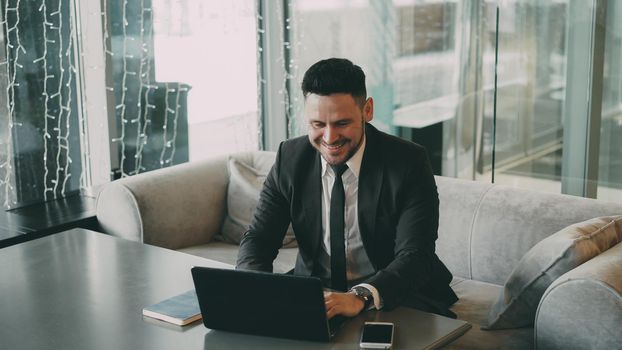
{"x":346,"y":304}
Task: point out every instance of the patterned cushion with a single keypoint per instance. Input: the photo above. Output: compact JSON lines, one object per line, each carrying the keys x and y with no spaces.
{"x":545,"y":262}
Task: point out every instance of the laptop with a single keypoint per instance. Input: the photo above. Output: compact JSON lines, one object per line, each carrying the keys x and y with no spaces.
{"x":261,"y":303}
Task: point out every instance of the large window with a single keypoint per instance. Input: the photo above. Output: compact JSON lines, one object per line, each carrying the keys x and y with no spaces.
{"x":530,"y":93}
{"x":425,"y":28}
{"x":149,"y":84}
{"x":185,"y":80}
{"x":496,"y":90}
{"x":557,"y":126}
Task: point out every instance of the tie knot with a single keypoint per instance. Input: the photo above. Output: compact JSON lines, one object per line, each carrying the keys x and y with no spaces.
{"x":339,"y":169}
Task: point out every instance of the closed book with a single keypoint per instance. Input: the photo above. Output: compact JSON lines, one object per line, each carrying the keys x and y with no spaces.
{"x":181,"y":309}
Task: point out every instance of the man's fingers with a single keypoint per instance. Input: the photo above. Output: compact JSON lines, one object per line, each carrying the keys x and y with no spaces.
{"x":331,"y":312}
{"x":341,"y":304}
{"x":330,"y":298}
{"x":332,"y":305}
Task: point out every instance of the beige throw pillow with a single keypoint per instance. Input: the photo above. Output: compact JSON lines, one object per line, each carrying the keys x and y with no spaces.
{"x":544,"y":263}
{"x":245,"y":183}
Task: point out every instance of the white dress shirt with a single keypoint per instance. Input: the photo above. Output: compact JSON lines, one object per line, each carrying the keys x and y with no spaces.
{"x":358,"y":265}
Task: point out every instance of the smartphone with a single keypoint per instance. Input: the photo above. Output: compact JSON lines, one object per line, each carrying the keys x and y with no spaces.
{"x":377,"y":335}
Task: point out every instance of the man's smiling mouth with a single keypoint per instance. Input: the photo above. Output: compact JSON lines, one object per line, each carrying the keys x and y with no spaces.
{"x":335,"y":146}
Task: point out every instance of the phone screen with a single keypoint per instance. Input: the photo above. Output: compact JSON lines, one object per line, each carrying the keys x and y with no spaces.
{"x":377,"y":333}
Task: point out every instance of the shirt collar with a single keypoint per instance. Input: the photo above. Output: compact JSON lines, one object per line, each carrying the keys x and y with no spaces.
{"x":354,"y":163}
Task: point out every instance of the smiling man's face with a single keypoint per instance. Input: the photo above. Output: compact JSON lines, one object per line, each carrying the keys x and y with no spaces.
{"x":336,"y":125}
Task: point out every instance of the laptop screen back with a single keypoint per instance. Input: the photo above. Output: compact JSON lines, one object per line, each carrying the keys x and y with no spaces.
{"x":261,"y":303}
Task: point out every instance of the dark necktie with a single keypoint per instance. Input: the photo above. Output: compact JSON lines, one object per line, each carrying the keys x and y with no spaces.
{"x":337,"y":230}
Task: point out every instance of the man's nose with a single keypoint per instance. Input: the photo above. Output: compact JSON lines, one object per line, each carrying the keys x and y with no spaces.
{"x":330,"y":135}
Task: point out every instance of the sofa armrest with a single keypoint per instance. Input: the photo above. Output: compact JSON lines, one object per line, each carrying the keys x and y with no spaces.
{"x":582,"y":309}
{"x":174,"y":207}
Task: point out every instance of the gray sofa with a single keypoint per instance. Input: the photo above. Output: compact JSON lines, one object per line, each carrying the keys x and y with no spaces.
{"x":485,"y":230}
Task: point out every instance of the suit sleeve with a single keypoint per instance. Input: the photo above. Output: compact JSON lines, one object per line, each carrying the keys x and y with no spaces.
{"x":414,"y":258}
{"x":260,"y":244}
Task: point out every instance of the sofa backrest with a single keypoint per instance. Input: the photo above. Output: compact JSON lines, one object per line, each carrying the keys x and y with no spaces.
{"x":167,"y":207}
{"x":174,"y":207}
{"x":485,"y":229}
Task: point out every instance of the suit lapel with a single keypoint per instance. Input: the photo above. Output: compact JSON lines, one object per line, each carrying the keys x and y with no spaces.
{"x":312,"y":187}
{"x":370,"y":184}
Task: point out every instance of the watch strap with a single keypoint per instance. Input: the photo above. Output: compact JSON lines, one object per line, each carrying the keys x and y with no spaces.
{"x":365,"y":295}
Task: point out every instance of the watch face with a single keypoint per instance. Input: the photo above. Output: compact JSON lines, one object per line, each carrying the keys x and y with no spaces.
{"x":362,"y":292}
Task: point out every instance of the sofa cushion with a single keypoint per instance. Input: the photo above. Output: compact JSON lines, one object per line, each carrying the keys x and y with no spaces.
{"x":475,"y":299}
{"x":473,"y":305}
{"x":545,"y":262}
{"x":245,"y":183}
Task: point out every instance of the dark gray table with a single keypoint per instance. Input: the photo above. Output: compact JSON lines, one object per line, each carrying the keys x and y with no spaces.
{"x":80,"y":289}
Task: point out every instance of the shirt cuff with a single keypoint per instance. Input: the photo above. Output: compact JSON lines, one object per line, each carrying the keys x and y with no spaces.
{"x":378,"y":304}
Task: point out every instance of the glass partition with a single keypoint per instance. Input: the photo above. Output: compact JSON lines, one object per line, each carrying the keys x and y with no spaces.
{"x":493,"y":89}
{"x":530,"y":92}
{"x":610,"y":155}
{"x":429,"y":66}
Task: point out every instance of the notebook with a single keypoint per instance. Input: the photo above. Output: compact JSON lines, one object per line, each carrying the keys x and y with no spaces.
{"x":260,"y":303}
{"x":181,"y":309}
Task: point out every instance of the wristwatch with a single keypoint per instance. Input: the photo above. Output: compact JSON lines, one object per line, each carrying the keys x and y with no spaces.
{"x":365,"y":295}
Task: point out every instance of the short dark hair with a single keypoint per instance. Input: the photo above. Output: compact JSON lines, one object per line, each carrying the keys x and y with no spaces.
{"x":333,"y":76}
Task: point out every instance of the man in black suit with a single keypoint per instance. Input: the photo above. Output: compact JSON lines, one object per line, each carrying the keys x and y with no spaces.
{"x":363,"y":204}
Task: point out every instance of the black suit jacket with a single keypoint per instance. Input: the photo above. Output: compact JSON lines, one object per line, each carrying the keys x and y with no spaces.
{"x":397,"y":210}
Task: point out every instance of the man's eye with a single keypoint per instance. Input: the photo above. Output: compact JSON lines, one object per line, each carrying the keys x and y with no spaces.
{"x":317,"y":125}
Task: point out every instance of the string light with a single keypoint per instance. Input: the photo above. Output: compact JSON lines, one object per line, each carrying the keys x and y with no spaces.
{"x":168,"y":144}
{"x":144,"y":76}
{"x":297,"y":37}
{"x":46,"y":77}
{"x":67,"y":108}
{"x":16,"y":47}
{"x":284,"y":90}
{"x":56,"y":64}
{"x":121,"y":107}
{"x":137,"y":81}
{"x":61,"y":111}
{"x":260,"y":79}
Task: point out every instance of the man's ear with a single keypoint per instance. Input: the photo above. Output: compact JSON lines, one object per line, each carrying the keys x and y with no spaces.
{"x":368,"y":110}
